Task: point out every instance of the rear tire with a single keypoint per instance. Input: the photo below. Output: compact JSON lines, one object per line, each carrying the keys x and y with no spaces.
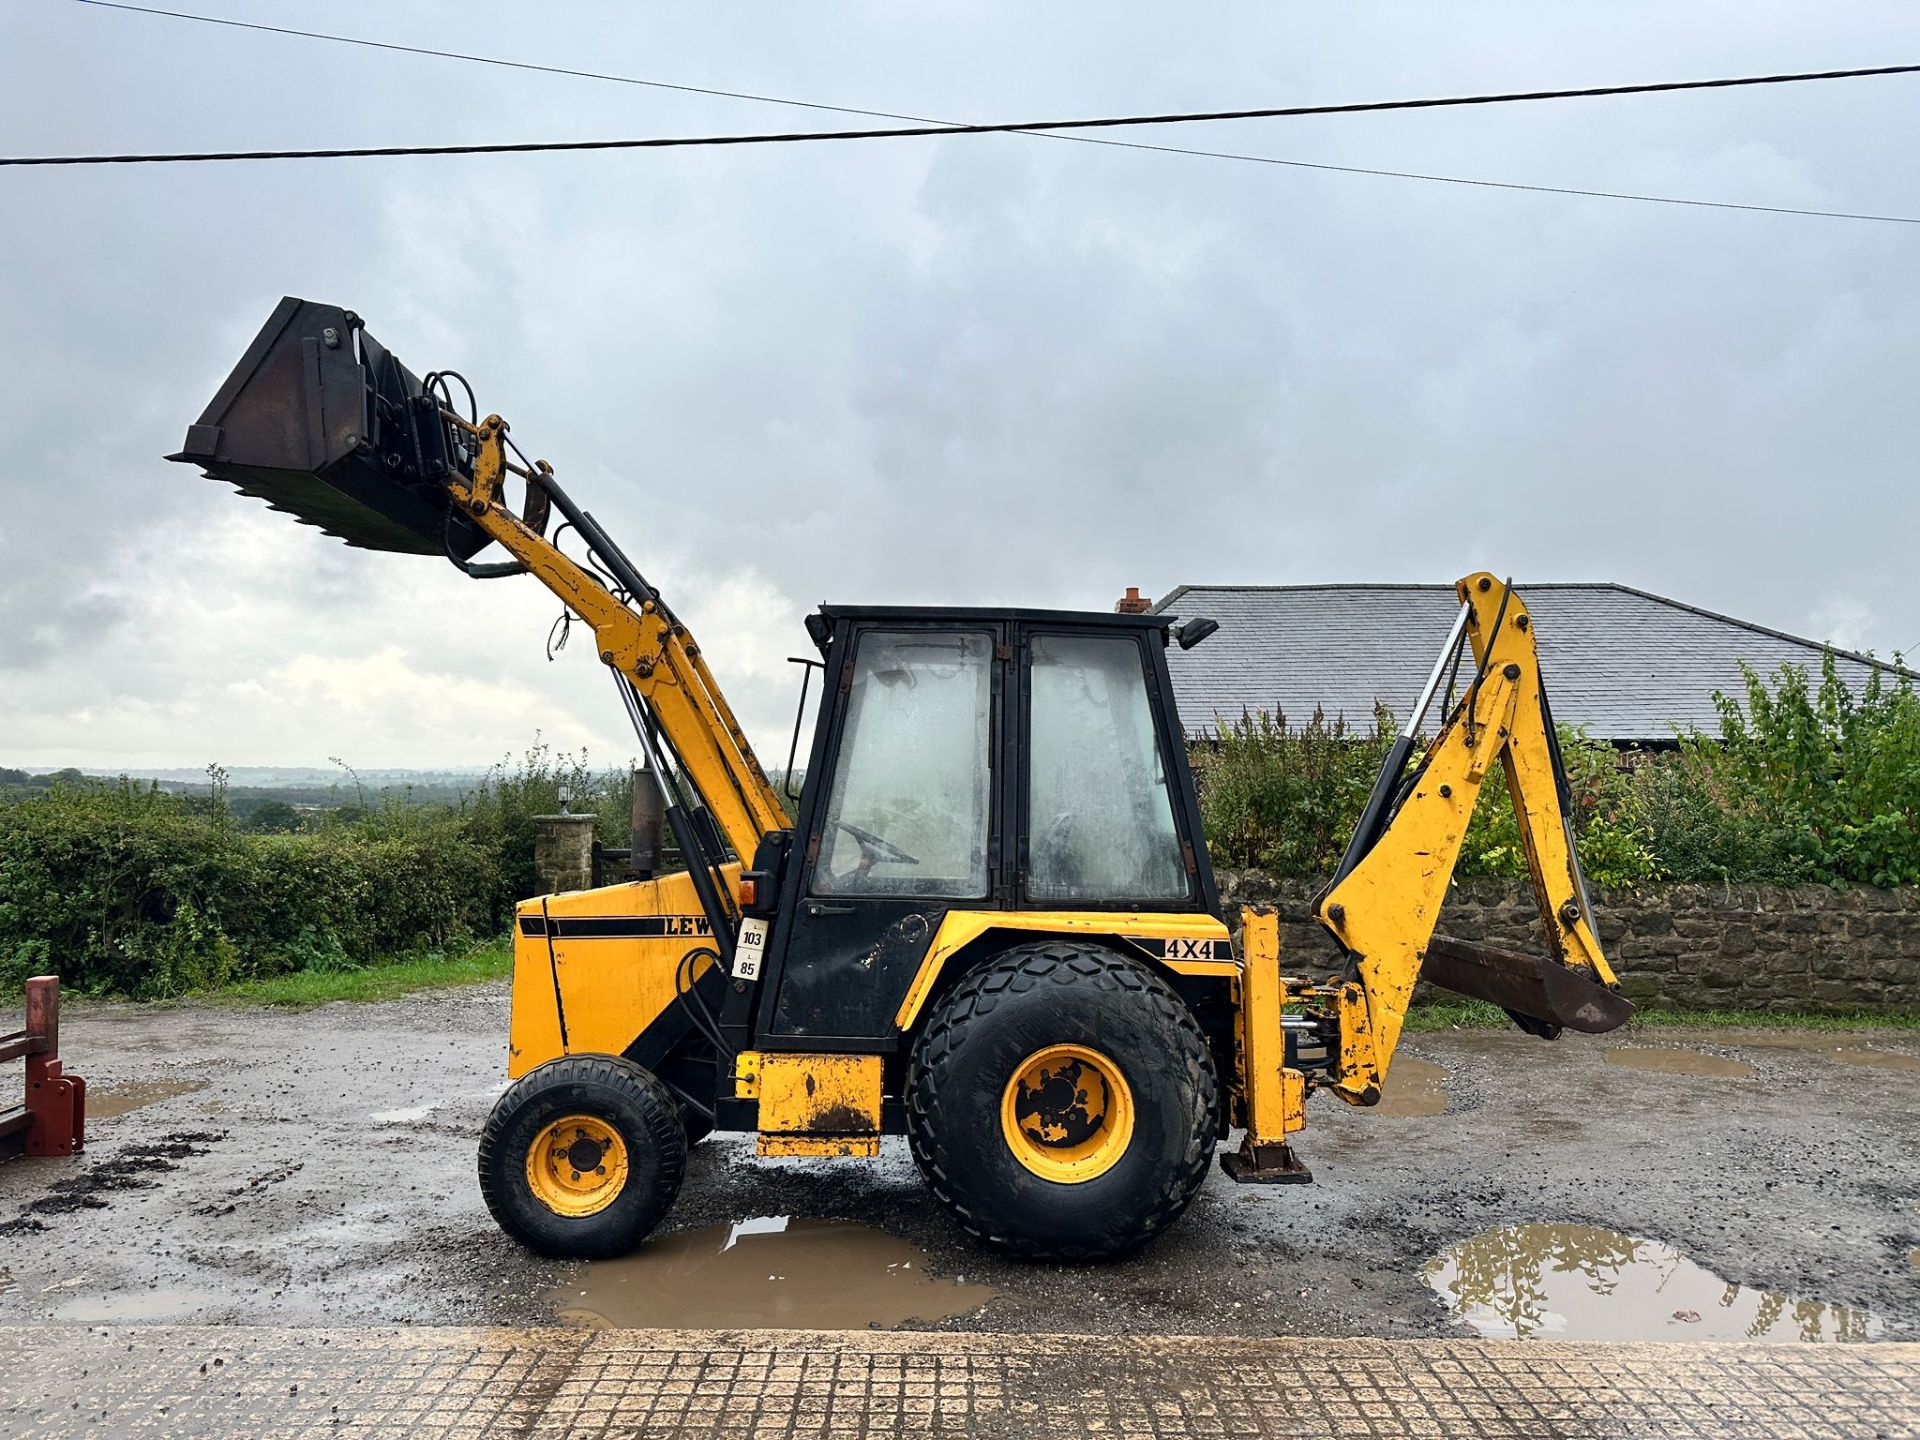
{"x":583,"y":1157}
{"x":1062,"y":1103}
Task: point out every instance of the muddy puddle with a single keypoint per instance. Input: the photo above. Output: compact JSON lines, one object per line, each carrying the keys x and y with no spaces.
{"x":768,"y":1271}
{"x":154,"y":1304}
{"x":1674,"y":1060}
{"x":1414,"y":1087}
{"x":1873,"y":1059}
{"x":104,"y":1102}
{"x":1844,"y":1052}
{"x":1578,"y":1282}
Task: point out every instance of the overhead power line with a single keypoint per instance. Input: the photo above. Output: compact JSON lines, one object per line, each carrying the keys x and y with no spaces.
{"x":1052,"y":130}
{"x":1004,"y":127}
{"x":500,"y":61}
{"x":1232,"y":155}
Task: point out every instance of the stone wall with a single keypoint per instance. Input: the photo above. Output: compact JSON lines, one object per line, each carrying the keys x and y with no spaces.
{"x":1747,"y":947}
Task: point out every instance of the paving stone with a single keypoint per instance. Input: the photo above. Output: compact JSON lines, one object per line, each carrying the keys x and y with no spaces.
{"x":557,"y":1384}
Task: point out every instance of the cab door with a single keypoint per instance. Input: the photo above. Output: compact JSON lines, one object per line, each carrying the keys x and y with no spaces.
{"x":905,"y":828}
{"x":1103,"y":785}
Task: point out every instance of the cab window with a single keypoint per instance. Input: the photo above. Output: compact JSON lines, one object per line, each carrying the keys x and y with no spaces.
{"x":908,"y":810}
{"x":1100,"y":818}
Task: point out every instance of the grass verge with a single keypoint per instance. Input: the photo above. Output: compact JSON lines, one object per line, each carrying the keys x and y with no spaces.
{"x":1477,"y":1014}
{"x":306,"y":988}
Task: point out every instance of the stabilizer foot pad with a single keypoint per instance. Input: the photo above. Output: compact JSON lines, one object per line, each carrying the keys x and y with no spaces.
{"x":1265,"y":1165}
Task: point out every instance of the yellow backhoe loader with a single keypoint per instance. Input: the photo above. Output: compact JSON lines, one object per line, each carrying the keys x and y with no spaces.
{"x":989,"y":922}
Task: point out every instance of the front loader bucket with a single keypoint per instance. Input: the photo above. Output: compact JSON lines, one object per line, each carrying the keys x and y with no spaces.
{"x":1555,"y":995}
{"x":320,"y":420}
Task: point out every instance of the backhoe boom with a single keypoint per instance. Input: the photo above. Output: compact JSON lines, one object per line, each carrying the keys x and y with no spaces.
{"x":1384,"y":904}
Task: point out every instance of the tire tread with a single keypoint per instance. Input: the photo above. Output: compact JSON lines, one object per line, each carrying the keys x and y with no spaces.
{"x":653,"y":1100}
{"x":1016,"y":972}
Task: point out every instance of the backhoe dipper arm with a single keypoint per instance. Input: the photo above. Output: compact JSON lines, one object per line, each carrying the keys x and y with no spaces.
{"x":1385,"y":906}
{"x":639,"y":637}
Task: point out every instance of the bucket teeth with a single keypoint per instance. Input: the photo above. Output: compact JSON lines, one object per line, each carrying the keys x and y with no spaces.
{"x":1554,"y":995}
{"x":322,"y":422}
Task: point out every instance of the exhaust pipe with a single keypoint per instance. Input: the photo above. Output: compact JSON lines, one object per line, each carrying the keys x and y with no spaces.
{"x":644,"y":836}
{"x":322,"y":421}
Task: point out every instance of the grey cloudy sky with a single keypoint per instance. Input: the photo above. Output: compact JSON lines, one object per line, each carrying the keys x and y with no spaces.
{"x":974,"y":370}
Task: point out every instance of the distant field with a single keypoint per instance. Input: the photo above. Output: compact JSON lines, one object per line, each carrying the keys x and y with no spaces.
{"x":248,"y":786}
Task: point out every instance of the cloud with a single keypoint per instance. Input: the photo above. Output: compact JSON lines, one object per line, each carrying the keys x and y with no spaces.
{"x":1001,"y":370}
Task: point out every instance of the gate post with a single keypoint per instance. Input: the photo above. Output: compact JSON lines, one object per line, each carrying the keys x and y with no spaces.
{"x":563,"y":852}
{"x":53,"y":1118}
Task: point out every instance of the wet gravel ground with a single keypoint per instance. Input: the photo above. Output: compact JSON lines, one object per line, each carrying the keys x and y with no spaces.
{"x":324,"y":1175}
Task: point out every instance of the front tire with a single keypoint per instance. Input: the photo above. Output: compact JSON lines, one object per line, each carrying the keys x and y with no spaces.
{"x":1062,"y":1103}
{"x":583,"y":1157}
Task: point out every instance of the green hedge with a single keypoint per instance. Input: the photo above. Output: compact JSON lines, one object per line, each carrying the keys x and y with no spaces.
{"x":1808,"y":783}
{"x":124,"y":890}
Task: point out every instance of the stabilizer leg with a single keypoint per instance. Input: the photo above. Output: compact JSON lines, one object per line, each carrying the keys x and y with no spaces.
{"x":1272,"y":1099}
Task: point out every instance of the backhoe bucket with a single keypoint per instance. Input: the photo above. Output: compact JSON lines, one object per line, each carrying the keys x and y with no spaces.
{"x":1555,"y":995}
{"x":320,"y":420}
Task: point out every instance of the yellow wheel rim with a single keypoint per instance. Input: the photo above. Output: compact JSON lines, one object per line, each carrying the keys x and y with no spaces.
{"x":577,"y":1166}
{"x":1067,"y":1114}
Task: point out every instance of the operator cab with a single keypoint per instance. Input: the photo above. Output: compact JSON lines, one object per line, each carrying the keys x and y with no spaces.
{"x":1007,"y":760}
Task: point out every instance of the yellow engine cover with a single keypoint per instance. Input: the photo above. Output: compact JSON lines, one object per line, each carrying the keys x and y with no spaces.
{"x":593,"y":968}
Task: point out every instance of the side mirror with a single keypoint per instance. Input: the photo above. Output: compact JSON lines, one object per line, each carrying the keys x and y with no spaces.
{"x":1192,"y":632}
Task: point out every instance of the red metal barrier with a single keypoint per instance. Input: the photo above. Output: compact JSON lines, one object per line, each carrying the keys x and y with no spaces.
{"x":53,"y":1120}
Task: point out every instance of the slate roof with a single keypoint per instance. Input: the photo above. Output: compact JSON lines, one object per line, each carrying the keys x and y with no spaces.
{"x":1627,"y":665}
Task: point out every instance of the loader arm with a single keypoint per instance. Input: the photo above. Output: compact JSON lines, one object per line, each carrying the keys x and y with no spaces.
{"x":635,"y":634}
{"x":1296,"y":1036}
{"x":323,"y":422}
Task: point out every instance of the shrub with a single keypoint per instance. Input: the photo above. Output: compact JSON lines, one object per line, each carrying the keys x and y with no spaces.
{"x":1285,"y":800}
{"x":1703,"y":828}
{"x":1806,"y":783}
{"x":1613,"y":840}
{"x":123,"y":889}
{"x":498,"y":816}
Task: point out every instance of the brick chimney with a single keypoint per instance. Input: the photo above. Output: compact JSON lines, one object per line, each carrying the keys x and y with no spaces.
{"x":1132,"y":603}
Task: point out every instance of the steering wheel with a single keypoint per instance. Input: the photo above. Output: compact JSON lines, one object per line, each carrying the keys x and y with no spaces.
{"x":874,"y":850}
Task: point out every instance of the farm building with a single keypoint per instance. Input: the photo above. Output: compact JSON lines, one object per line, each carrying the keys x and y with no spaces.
{"x":1623,"y":664}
